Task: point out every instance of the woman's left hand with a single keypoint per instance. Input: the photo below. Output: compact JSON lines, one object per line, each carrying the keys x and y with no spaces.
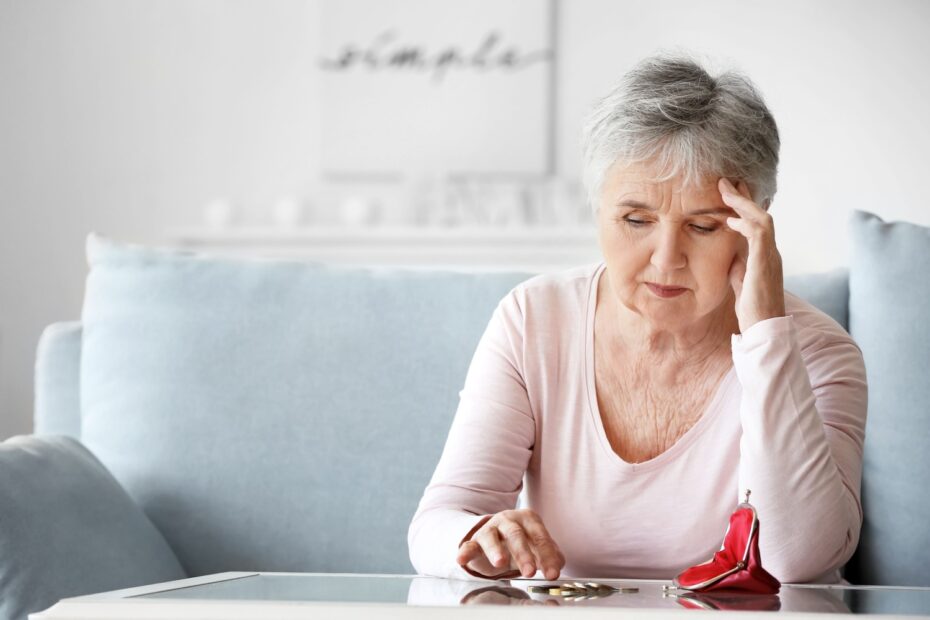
{"x":756,"y":272}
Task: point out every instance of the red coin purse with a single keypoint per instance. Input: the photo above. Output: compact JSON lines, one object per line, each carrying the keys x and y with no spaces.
{"x":738,"y":565}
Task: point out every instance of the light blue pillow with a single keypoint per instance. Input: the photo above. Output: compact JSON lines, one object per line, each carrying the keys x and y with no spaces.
{"x":889,"y":308}
{"x":67,"y":528}
{"x":274,"y":415}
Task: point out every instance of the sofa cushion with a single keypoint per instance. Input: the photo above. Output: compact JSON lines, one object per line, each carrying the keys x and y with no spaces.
{"x":67,"y":528}
{"x":889,"y":297}
{"x":274,"y":415}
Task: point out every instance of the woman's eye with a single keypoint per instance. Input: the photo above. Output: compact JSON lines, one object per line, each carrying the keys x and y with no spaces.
{"x":637,"y":223}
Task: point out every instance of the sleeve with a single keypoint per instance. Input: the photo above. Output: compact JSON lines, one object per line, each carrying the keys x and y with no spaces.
{"x":803,"y":418}
{"x":486,"y":453}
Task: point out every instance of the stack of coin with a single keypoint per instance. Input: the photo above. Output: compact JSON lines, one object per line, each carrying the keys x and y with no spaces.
{"x":577,"y":591}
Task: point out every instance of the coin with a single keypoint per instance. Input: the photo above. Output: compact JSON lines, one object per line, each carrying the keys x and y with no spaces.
{"x":590,"y":589}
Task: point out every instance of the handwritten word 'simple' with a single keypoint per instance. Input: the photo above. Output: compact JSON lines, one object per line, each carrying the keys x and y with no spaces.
{"x":385,"y":54}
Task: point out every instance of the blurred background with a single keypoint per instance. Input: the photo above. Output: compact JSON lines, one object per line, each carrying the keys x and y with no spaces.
{"x":411,"y":132}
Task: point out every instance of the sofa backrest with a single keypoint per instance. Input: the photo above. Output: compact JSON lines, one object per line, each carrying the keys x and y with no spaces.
{"x":275,"y":415}
{"x":270,"y":415}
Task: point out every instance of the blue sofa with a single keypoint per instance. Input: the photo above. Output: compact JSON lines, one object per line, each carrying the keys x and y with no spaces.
{"x":285,"y":416}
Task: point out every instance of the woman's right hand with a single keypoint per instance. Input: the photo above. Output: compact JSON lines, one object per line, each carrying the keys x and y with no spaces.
{"x":512,"y":540}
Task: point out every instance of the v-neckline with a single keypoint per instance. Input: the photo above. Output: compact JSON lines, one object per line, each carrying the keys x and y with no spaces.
{"x":683,"y":442}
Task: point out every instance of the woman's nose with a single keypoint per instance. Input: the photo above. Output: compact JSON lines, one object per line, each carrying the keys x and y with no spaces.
{"x":668,"y":253}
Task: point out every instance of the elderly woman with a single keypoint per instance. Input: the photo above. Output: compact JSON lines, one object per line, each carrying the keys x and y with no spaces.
{"x":640,"y":397}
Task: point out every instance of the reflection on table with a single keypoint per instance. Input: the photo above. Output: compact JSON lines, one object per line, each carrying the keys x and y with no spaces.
{"x":803,"y":598}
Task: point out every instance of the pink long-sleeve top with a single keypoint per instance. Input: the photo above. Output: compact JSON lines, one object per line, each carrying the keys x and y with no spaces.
{"x":787,"y":422}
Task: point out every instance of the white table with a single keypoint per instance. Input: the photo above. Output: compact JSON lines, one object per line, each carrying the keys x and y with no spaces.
{"x":236,"y":596}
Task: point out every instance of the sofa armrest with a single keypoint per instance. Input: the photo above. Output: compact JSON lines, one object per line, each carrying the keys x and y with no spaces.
{"x":57,"y":380}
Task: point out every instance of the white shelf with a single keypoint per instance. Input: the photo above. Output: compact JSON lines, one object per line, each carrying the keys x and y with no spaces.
{"x":385,"y":234}
{"x":523,"y":248}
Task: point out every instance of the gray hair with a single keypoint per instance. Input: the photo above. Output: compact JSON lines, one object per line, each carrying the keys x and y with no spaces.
{"x":670,"y":111}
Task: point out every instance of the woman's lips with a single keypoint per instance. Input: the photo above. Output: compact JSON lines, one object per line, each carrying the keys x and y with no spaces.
{"x":665,"y":291}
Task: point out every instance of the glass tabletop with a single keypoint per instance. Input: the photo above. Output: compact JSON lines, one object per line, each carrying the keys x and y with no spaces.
{"x":639,"y":594}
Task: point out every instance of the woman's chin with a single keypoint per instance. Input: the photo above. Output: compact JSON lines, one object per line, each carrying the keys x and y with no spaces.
{"x":678,"y":313}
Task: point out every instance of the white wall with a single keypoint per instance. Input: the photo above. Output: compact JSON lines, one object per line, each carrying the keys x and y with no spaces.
{"x":125,"y":116}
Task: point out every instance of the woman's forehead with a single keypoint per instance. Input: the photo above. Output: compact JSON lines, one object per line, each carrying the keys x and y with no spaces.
{"x":634,"y":190}
{"x":641,"y":192}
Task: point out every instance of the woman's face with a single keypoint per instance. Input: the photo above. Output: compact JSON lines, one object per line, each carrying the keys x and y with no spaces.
{"x":662,"y":234}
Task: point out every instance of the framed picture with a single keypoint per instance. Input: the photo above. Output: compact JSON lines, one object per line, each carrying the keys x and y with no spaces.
{"x":413,"y":86}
